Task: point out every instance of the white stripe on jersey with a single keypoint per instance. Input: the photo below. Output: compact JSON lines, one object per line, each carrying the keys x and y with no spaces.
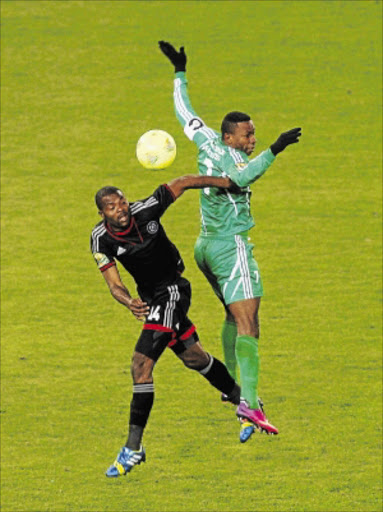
{"x":232,"y":201}
{"x":187,"y":115}
{"x":97,"y":233}
{"x":202,"y":220}
{"x":180,"y":105}
{"x":208,"y":132}
{"x":235,"y":155}
{"x":138,"y":206}
{"x":238,"y":158}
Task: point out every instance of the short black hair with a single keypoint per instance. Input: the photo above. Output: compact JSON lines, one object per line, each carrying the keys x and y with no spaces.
{"x":103,"y":192}
{"x":231,"y":119}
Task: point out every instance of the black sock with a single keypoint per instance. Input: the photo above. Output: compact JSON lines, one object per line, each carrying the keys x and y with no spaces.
{"x":218,"y":376}
{"x":140,"y":407}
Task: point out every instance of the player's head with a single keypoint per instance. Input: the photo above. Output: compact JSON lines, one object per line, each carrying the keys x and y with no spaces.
{"x":238,"y":132}
{"x":113,"y":207}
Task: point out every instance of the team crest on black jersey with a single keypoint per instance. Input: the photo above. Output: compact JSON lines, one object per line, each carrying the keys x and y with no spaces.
{"x":152,"y":227}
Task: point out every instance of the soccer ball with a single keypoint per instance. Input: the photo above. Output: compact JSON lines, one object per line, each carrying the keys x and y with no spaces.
{"x":156,"y":149}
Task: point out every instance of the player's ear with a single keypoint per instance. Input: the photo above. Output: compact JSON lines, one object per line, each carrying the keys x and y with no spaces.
{"x":101,"y":213}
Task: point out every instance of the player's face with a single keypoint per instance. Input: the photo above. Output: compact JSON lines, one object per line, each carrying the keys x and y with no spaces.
{"x":116,"y":211}
{"x":243,"y":137}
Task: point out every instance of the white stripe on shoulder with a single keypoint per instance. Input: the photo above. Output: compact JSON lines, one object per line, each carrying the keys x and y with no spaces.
{"x":237,"y":157}
{"x":139,"y":205}
{"x":208,"y":132}
{"x":96,"y":234}
{"x":97,"y":229}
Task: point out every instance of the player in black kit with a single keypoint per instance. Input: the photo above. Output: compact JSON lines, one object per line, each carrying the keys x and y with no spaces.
{"x":133,"y":235}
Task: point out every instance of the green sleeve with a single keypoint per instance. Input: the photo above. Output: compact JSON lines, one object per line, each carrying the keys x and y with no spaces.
{"x":194,"y":127}
{"x":243,"y":174}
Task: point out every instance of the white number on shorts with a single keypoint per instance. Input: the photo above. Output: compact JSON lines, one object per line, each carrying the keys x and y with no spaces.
{"x":154,"y":313}
{"x":256,"y":272}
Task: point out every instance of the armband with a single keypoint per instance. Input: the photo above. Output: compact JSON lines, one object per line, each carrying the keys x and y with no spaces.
{"x":192,"y":127}
{"x":102,"y":260}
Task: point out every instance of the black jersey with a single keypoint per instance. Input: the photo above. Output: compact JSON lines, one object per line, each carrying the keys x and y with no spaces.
{"x":142,"y":248}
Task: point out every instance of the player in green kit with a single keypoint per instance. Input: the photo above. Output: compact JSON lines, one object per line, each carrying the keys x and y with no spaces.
{"x":222,"y":251}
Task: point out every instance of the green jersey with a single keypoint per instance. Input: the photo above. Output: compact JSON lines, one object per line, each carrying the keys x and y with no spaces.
{"x":222,"y":212}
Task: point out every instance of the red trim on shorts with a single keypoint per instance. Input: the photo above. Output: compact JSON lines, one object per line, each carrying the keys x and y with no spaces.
{"x":188,"y":333}
{"x":157,"y":327}
{"x":105,"y":267}
{"x":173,"y":340}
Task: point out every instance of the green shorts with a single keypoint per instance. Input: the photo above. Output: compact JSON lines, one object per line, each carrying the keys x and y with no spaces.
{"x":229,"y":266}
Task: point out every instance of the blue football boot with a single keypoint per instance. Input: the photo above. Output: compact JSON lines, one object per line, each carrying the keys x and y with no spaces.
{"x":125,"y":462}
{"x":247,"y":430}
{"x":252,"y":419}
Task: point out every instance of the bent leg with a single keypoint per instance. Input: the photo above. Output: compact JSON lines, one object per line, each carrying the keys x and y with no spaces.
{"x":215,"y":372}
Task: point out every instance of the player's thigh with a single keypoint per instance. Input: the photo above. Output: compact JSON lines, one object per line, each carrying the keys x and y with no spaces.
{"x":234,"y":268}
{"x":169,"y":306}
{"x":151,"y":344}
{"x":201,"y":252}
{"x":167,"y":321}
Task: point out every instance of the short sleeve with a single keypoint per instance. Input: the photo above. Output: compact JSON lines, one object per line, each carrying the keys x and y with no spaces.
{"x":164,"y":197}
{"x":102,"y":254}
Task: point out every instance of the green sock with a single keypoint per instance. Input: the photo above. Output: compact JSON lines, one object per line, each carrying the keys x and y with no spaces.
{"x":246,"y":350}
{"x":229,"y":335}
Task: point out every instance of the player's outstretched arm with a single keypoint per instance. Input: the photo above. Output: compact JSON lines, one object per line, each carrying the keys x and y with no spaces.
{"x":194,"y":127}
{"x":179,"y":185}
{"x":285,"y":139}
{"x":256,"y":167}
{"x":122,"y":295}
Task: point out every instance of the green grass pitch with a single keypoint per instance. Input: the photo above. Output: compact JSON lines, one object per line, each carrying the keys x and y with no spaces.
{"x":81,"y":81}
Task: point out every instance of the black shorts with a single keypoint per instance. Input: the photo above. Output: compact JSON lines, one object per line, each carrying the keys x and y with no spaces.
{"x":167,"y":323}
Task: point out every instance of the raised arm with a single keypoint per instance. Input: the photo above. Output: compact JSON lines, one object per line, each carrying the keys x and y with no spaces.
{"x":194,"y":127}
{"x":179,"y":185}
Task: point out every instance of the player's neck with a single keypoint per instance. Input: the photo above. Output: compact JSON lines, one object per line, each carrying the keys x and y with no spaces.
{"x":119,"y":229}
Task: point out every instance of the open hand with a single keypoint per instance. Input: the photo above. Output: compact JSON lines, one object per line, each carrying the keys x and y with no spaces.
{"x":178,"y":59}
